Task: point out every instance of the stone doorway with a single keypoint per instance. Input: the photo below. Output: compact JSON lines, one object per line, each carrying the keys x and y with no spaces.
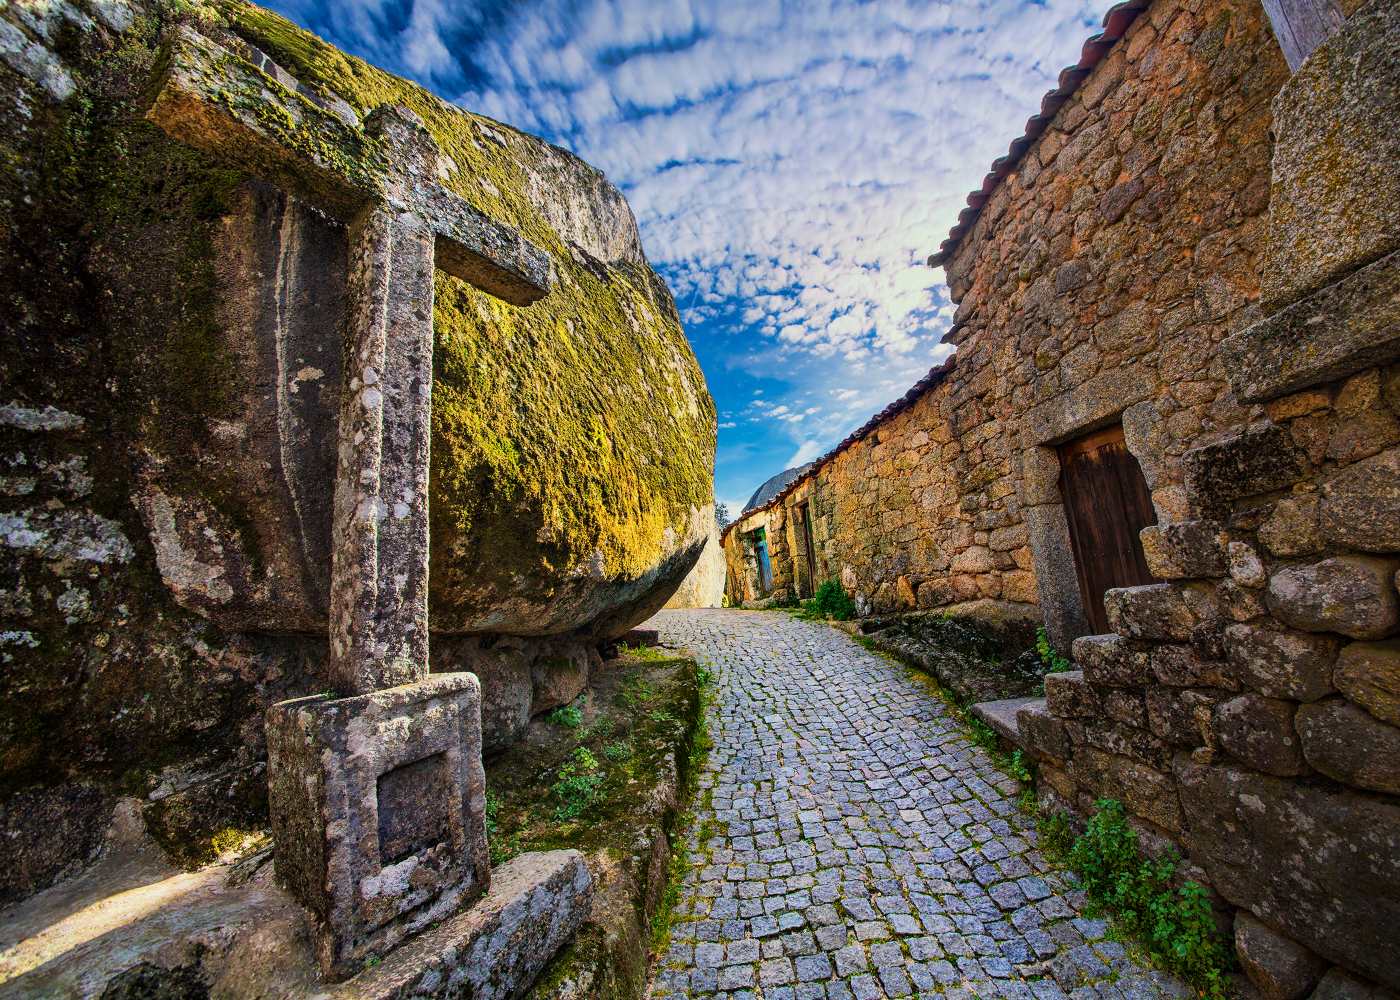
{"x":765,"y":564}
{"x":1107,"y":503}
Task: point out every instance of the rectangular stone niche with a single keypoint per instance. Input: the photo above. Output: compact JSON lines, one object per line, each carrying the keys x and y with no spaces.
{"x":414,"y":808}
{"x":378,"y":805}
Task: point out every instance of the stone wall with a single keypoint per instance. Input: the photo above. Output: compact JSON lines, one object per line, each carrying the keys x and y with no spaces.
{"x":168,"y":406}
{"x":1157,"y":258}
{"x":1095,"y":286}
{"x":1247,"y":709}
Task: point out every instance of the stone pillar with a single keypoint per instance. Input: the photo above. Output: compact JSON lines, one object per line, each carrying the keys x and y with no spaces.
{"x":379,"y":573}
{"x":379,"y":568}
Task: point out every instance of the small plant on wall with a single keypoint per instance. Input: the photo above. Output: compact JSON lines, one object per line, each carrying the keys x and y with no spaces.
{"x":1054,"y":662}
{"x":1146,"y":898}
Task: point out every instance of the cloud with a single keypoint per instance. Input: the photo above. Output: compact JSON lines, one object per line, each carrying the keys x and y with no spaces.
{"x":808,"y":451}
{"x":790,"y":165}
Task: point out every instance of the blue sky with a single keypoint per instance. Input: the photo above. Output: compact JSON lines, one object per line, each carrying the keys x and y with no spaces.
{"x":790,"y":164}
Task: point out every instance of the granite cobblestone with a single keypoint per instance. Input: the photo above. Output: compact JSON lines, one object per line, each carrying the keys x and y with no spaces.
{"x":851,"y":841}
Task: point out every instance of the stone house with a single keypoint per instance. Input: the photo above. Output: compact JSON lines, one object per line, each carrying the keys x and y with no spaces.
{"x":1171,"y":425}
{"x":1105,"y":259}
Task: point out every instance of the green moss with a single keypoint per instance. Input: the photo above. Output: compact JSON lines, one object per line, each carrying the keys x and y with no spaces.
{"x":634,"y":746}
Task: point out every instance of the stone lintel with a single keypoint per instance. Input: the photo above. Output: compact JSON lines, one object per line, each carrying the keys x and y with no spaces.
{"x":1341,"y":329}
{"x":479,"y":250}
{"x":1087,"y":407}
{"x":213,"y":100}
{"x":216,"y":100}
{"x":378,"y":811}
{"x":497,"y":948}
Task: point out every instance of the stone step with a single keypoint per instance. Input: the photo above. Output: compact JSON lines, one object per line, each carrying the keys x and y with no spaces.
{"x":1001,"y":716}
{"x":497,"y":946}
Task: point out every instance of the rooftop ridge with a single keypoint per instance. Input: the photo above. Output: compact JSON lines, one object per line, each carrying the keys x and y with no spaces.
{"x":1115,"y":24}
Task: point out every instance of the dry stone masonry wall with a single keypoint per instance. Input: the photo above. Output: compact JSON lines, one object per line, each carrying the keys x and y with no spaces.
{"x":1205,"y":249}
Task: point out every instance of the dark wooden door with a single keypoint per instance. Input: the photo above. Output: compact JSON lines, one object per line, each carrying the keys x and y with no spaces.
{"x":805,"y":511}
{"x":1107,"y":504}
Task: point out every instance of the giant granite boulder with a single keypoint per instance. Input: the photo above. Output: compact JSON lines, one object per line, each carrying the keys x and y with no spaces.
{"x":171,"y":370}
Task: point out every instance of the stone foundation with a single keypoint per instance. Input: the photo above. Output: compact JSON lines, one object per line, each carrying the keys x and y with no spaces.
{"x":378,"y":809}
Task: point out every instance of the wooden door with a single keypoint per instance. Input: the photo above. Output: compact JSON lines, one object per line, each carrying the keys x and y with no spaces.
{"x":805,"y":511}
{"x":1106,"y":504}
{"x":765,"y":567}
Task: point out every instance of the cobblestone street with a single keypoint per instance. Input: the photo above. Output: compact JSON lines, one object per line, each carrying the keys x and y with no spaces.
{"x":857,"y":844}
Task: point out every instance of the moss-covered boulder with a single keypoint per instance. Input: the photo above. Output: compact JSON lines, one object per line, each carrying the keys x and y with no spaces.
{"x":572,"y":440}
{"x":168,"y":391}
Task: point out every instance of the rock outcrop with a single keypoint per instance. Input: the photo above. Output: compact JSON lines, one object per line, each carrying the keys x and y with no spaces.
{"x":168,"y":420}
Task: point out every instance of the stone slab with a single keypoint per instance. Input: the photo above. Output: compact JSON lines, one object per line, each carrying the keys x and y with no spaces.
{"x":1344,"y":328}
{"x":1335,"y":198}
{"x":495,"y":949}
{"x":1321,"y":865}
{"x":1001,"y":716}
{"x":641,"y":637}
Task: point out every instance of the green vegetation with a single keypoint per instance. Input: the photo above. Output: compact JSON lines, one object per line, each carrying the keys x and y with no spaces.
{"x":1020,"y":768}
{"x":1174,"y":923}
{"x":652,"y":654}
{"x":829,"y":603}
{"x":578,"y":785}
{"x":568,"y":716}
{"x":1055,"y":834}
{"x":1054,"y":662}
{"x":635,"y":692}
{"x":832,"y":601}
{"x":502,"y":848}
{"x":615,"y":752}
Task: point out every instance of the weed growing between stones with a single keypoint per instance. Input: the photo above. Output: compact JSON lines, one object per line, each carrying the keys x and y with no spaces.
{"x":1054,"y":662}
{"x":635,"y":693}
{"x":579,"y":782}
{"x":1174,"y":923}
{"x":644,"y":744}
{"x":568,"y":716}
{"x":832,"y":601}
{"x":653,"y":654}
{"x":617,"y":751}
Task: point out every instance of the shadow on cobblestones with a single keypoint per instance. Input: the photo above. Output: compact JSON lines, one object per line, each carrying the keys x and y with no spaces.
{"x":857,"y":844}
